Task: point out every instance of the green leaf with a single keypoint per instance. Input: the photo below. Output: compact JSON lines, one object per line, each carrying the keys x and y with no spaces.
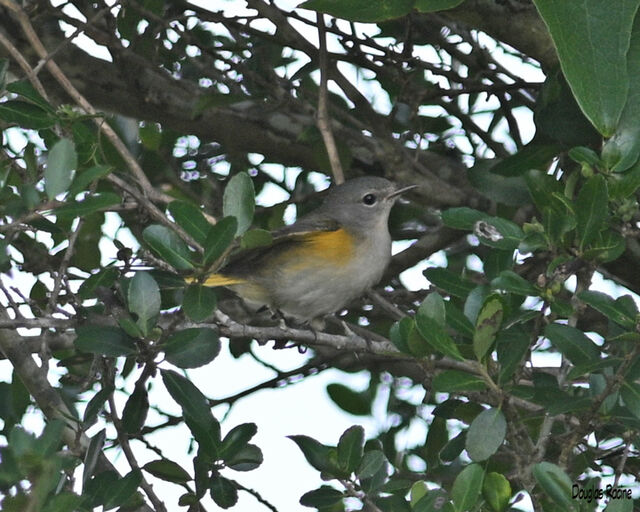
{"x":623,"y":184}
{"x":247,"y":459}
{"x":91,"y":203}
{"x":219,"y":238}
{"x":350,"y":448}
{"x":456,"y":320}
{"x":199,"y":302}
{"x":92,"y":455}
{"x":256,"y":238}
{"x":496,"y":491}
{"x":322,"y":497}
{"x":486,"y":434}
{"x":223,"y":491}
{"x":608,"y":246}
{"x":194,"y":404}
{"x":95,"y":405}
{"x":433,"y":307}
{"x":555,"y":483}
{"x":192,"y":348}
{"x":191,"y":219}
{"x":104,"y":340}
{"x":85,"y":178}
{"x":135,"y":411}
{"x":168,"y":470}
{"x":452,"y":381}
{"x":437,"y":337}
{"x":449,"y":281}
{"x":511,"y":282}
{"x":25,"y":89}
{"x":630,"y":394}
{"x":487,"y":325}
{"x":557,"y":115}
{"x":573,"y":344}
{"x":591,"y":210}
{"x":239,"y":200}
{"x":436,"y":500}
{"x":105,"y":278}
{"x":236,"y":440}
{"x":26,"y":115}
{"x":509,"y":190}
{"x":143,"y":297}
{"x":166,"y":244}
{"x":621,"y":505}
{"x":400,"y":332}
{"x":361,"y":10}
{"x":534,"y":155}
{"x":315,"y":452}
{"x":62,"y":161}
{"x":123,"y":489}
{"x":467,"y":488}
{"x":436,"y":5}
{"x":372,"y":462}
{"x":592,"y":42}
{"x":608,"y":307}
{"x":353,"y":402}
{"x":462,"y":217}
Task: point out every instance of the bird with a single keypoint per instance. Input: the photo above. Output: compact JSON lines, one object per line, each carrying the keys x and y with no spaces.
{"x":324,"y":260}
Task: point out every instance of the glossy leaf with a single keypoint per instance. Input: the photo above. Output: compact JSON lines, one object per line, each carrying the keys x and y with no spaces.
{"x":199,"y":302}
{"x":592,"y":44}
{"x":219,"y":238}
{"x":89,"y":204}
{"x":574,"y":344}
{"x":188,"y":396}
{"x":135,"y":411}
{"x":247,"y":459}
{"x":436,"y":5}
{"x":608,"y":307}
{"x":315,"y":452}
{"x":239,"y":200}
{"x":555,"y":483}
{"x":237,"y":438}
{"x":511,"y":282}
{"x":487,"y":325}
{"x":123,"y":489}
{"x":486,"y":434}
{"x":371,"y":463}
{"x":143,"y":297}
{"x":449,"y":281}
{"x":62,"y":161}
{"x":534,"y":155}
{"x":322,"y":497}
{"x":166,"y":244}
{"x":168,"y":470}
{"x":591,"y":210}
{"x":467,"y":488}
{"x":451,"y":381}
{"x":350,"y":448}
{"x":223,"y":491}
{"x":353,"y":402}
{"x":105,"y":278}
{"x":26,"y":115}
{"x":630,"y":394}
{"x":92,"y":455}
{"x":104,"y":340}
{"x":191,"y":219}
{"x":437,"y":337}
{"x":496,"y":491}
{"x":192,"y":348}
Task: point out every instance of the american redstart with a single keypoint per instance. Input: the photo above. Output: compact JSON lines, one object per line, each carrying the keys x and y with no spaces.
{"x":324,"y":260}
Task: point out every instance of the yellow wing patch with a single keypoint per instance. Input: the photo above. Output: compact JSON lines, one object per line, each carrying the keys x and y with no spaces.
{"x":335,"y":247}
{"x":220,"y":280}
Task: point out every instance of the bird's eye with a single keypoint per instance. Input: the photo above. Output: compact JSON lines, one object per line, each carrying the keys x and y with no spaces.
{"x":369,"y":199}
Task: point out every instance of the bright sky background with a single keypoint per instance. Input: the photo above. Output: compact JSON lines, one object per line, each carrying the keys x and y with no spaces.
{"x":302,"y":408}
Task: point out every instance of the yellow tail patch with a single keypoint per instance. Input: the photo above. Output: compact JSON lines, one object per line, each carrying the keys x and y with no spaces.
{"x":217,"y":280}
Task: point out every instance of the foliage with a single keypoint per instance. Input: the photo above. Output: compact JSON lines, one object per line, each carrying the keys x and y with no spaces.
{"x":531,"y":372}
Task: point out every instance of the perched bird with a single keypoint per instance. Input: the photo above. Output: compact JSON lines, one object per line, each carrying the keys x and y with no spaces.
{"x":325,"y":259}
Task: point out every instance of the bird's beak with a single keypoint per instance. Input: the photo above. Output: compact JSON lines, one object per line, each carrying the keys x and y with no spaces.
{"x":400,"y":191}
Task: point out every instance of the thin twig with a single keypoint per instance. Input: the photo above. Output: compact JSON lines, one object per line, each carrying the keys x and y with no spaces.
{"x":323,"y":119}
